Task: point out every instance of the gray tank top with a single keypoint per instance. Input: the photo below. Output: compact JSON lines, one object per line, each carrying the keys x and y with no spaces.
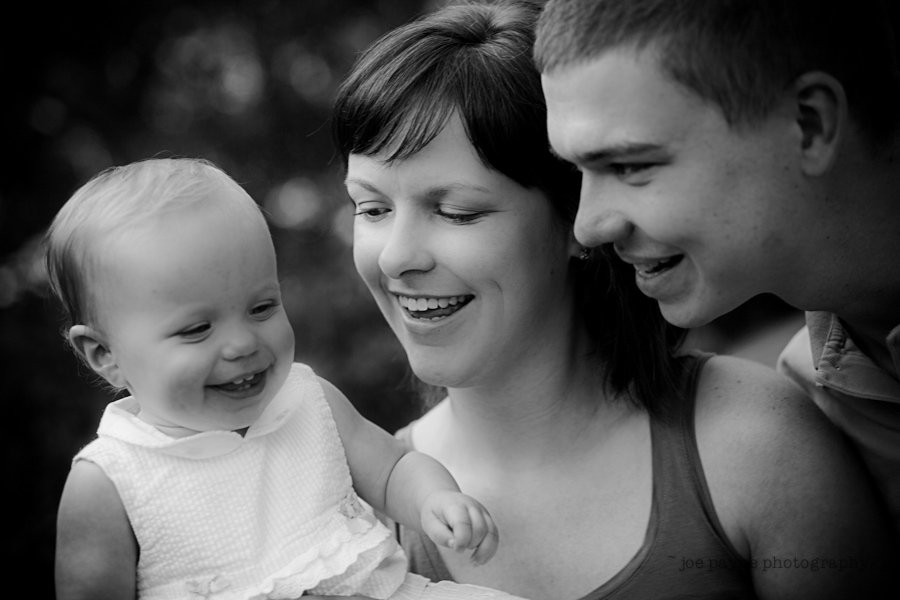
{"x":683,"y":524}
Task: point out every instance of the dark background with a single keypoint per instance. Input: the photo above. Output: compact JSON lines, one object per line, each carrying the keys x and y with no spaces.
{"x":248,"y":85}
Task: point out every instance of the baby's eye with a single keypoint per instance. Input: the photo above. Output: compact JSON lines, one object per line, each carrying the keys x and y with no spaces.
{"x":195,"y":331}
{"x":264,"y":309}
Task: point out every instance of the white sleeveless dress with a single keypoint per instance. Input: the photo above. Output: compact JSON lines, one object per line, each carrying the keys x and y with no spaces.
{"x":271,"y":514}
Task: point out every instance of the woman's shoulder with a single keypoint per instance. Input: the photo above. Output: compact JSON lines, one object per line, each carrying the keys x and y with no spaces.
{"x":730,"y":387}
{"x":750,"y":417}
{"x":781,"y":477}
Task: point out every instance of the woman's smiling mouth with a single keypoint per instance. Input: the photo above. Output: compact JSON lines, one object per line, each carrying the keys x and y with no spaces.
{"x":433,"y":308}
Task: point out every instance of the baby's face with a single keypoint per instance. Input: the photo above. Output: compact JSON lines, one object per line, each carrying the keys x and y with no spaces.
{"x":191,"y":308}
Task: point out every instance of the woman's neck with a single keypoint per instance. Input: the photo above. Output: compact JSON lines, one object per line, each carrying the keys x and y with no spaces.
{"x":535,"y":414}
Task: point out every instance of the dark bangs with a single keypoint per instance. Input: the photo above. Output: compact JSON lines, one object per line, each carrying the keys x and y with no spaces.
{"x":466,"y":60}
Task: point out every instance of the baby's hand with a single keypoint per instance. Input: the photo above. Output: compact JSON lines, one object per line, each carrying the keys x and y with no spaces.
{"x":456,"y":521}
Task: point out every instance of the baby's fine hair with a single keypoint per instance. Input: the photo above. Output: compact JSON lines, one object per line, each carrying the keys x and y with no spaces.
{"x":741,"y":55}
{"x":114,"y":200}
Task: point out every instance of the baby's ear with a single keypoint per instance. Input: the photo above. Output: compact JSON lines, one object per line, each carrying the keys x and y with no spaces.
{"x":92,"y":347}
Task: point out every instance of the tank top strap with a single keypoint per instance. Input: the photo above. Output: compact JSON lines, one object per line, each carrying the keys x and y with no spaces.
{"x":688,"y":525}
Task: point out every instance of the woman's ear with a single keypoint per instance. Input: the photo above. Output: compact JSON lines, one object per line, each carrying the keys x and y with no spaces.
{"x":93,"y":348}
{"x":821,"y":114}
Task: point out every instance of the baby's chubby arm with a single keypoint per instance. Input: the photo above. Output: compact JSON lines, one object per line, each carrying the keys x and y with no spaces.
{"x":96,"y":553}
{"x":410,"y":487}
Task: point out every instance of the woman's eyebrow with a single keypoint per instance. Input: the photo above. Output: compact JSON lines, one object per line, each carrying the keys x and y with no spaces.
{"x":361,"y":183}
{"x":431,"y":193}
{"x":440,"y":191}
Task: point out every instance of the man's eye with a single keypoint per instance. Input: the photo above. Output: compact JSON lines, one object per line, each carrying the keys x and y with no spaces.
{"x":626,"y":169}
{"x":633,"y":173}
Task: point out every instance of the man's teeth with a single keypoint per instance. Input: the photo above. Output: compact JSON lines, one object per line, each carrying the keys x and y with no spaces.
{"x":419,"y":304}
{"x":648,"y":268}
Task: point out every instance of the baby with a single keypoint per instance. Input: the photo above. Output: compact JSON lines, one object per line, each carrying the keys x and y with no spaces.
{"x":230,"y":471}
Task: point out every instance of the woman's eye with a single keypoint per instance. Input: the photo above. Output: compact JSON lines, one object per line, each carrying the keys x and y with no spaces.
{"x":371,"y":213}
{"x":460,"y":217}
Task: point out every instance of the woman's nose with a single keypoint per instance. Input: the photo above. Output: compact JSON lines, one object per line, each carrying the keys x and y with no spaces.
{"x":406,"y":248}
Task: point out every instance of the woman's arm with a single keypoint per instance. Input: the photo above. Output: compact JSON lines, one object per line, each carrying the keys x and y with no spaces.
{"x":96,"y":552}
{"x":410,"y":487}
{"x":789,"y":492}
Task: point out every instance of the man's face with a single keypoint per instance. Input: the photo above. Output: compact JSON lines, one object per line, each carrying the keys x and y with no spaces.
{"x":701,"y":209}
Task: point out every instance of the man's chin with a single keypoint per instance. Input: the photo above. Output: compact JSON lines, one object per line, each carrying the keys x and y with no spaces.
{"x":686,"y":315}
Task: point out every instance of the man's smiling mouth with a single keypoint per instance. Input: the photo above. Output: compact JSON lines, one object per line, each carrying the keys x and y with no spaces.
{"x":654,"y":268}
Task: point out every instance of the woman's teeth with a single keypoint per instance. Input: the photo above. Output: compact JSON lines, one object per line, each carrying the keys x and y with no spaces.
{"x":433,"y":308}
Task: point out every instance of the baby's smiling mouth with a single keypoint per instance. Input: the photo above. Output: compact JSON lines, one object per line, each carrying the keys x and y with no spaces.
{"x":432,"y":308}
{"x":241,"y":384}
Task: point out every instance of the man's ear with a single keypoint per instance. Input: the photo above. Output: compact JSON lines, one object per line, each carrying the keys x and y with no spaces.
{"x":822,"y":114}
{"x":92,"y":347}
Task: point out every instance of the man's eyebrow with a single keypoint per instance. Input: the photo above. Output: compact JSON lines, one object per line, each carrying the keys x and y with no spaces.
{"x":615,"y":151}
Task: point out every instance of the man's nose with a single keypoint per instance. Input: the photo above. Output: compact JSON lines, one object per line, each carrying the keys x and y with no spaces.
{"x":595,"y":226}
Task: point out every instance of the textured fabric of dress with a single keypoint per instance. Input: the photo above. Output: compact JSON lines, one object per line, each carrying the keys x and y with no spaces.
{"x":683,"y":525}
{"x":271,"y":514}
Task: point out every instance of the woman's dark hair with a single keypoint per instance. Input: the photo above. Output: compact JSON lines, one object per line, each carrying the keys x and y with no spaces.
{"x":475,"y":60}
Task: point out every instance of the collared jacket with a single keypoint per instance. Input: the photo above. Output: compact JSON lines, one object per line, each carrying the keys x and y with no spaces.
{"x":860,"y":397}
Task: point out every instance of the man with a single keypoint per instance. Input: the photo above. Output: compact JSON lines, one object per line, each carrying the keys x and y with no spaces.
{"x":734,"y":148}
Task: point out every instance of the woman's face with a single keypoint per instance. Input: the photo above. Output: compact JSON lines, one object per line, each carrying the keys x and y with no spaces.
{"x":469,"y":268}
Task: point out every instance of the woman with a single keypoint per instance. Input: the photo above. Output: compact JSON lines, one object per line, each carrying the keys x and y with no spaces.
{"x":613,"y":467}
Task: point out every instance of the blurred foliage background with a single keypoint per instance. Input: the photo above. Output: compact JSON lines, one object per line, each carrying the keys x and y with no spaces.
{"x":248,"y":85}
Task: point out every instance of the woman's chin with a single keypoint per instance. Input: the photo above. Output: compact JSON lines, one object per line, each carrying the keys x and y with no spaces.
{"x":437,"y":374}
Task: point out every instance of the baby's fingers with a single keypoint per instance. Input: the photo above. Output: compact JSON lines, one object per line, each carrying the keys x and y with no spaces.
{"x":485,"y":536}
{"x":459,"y":522}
